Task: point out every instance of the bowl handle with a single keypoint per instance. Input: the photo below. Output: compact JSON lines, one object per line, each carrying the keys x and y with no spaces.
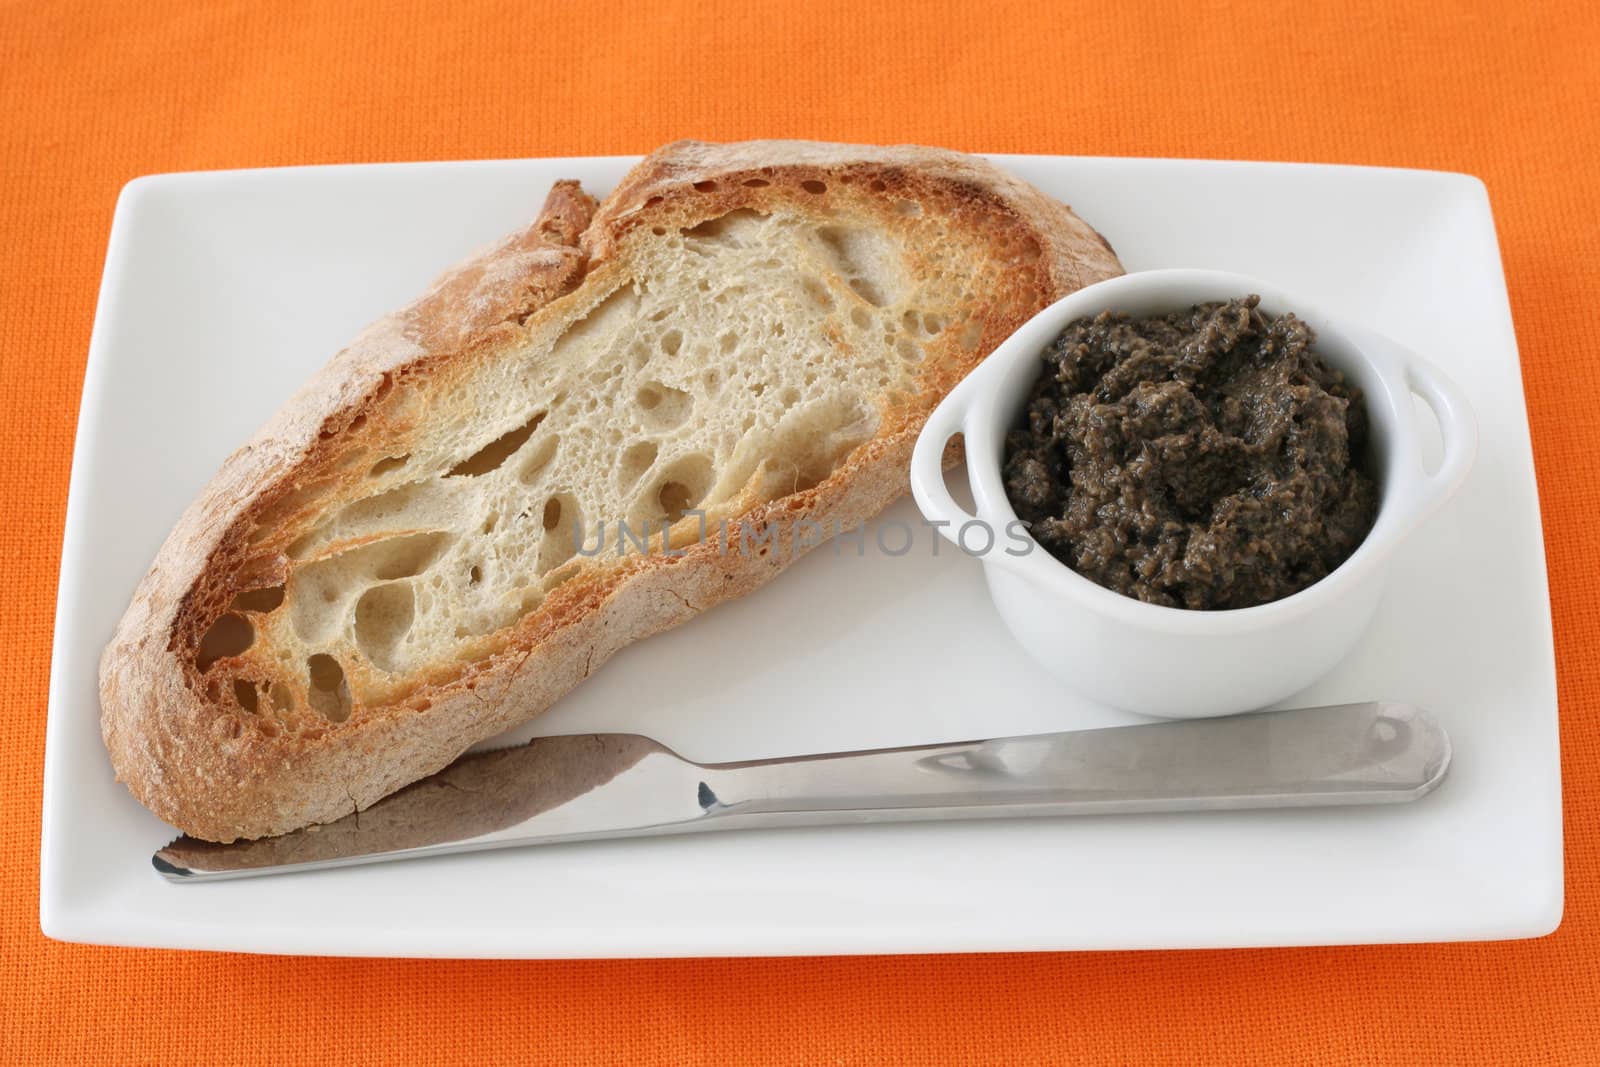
{"x":1457,"y":426}
{"x":927,"y":463}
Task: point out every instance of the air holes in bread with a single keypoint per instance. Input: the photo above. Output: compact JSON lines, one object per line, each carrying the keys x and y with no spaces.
{"x":496,"y":452}
{"x":908,"y":208}
{"x":229,"y":636}
{"x":868,"y":290}
{"x":661,"y":407}
{"x":539,"y":458}
{"x":705,"y":187}
{"x":736,"y":228}
{"x":383,"y":618}
{"x":404,"y":557}
{"x":756,"y":183}
{"x":321,"y":591}
{"x":925,"y":323}
{"x":675,"y":498}
{"x":244,"y":693}
{"x":814,"y":187}
{"x":259,"y":600}
{"x":817,"y":438}
{"x":561,"y":521}
{"x":683,"y":485}
{"x":285,"y":507}
{"x":327,"y":689}
{"x":403,"y":508}
{"x":671,"y":341}
{"x":384,"y":466}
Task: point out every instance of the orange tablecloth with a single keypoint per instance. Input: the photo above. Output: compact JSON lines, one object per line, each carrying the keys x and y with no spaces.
{"x":94,"y":94}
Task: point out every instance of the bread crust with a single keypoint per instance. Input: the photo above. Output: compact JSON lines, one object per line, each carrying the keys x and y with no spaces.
{"x":180,"y":753}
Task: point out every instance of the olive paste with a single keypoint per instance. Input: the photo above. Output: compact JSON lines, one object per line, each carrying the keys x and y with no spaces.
{"x":1204,"y":459}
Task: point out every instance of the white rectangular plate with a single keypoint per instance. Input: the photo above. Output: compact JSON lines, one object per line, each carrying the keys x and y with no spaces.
{"x":223,"y":291}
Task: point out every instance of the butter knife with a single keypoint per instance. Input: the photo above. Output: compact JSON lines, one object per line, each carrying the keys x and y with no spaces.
{"x":597,"y":786}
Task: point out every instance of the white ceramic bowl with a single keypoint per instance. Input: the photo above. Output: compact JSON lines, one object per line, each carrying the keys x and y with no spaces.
{"x":1174,"y":662}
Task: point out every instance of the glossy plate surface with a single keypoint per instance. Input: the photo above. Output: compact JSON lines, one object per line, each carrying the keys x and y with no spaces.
{"x":223,"y":291}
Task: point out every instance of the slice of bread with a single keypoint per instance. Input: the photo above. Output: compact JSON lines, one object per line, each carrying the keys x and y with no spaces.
{"x":421,"y":549}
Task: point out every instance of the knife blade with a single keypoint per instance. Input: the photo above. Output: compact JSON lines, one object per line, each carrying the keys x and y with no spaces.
{"x":598,"y":786}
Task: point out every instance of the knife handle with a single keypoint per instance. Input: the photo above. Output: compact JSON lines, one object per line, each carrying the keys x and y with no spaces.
{"x":1368,"y":753}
